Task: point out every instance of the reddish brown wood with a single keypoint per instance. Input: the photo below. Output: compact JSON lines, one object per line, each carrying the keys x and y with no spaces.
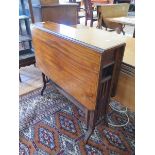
{"x":66,"y":13}
{"x":89,"y":12}
{"x":82,"y":72}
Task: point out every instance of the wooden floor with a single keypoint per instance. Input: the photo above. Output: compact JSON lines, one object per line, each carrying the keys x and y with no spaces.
{"x":32,"y":79}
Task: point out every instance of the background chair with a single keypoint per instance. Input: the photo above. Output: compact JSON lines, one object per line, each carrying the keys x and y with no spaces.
{"x":90,"y":13}
{"x":26,"y":53}
{"x":113,"y":11}
{"x":131,"y":2}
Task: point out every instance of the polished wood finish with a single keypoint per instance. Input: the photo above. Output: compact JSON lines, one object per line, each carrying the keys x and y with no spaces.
{"x":86,"y":36}
{"x":90,"y":12}
{"x":63,"y":13}
{"x":82,"y":68}
{"x":85,"y":70}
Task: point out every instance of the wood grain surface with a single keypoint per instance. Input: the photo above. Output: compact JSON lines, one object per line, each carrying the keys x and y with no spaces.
{"x":65,"y":13}
{"x":101,"y":40}
{"x":73,"y":67}
{"x":72,"y":59}
{"x":84,"y":71}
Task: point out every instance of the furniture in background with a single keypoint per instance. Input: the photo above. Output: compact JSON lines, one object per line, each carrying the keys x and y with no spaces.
{"x":23,"y":8}
{"x":62,"y":13}
{"x":132,"y":7}
{"x":122,"y":1}
{"x":90,"y":13}
{"x":129,"y":20}
{"x":81,"y":10}
{"x":112,"y":11}
{"x":26,"y":53}
{"x":131,"y":2}
{"x":31,"y":11}
{"x":83,"y":62}
{"x":97,"y":4}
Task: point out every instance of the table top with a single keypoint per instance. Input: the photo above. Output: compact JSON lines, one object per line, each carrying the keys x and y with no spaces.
{"x":96,"y":39}
{"x":129,"y":20}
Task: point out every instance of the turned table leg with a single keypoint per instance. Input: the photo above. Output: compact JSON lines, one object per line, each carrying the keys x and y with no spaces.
{"x":44,"y":82}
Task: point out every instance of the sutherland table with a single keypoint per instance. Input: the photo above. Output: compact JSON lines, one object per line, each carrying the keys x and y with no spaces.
{"x":83,"y":62}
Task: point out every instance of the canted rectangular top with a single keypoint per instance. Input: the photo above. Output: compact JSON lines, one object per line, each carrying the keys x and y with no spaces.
{"x":96,"y":39}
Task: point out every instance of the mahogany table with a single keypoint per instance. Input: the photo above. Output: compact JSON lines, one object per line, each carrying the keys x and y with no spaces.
{"x":83,"y":62}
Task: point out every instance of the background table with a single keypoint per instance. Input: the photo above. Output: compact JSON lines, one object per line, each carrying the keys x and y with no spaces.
{"x":129,"y":20}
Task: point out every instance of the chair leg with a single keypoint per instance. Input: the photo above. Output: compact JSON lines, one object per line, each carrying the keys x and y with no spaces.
{"x":78,"y":20}
{"x":86,"y":21}
{"x":91,"y":23}
{"x":123,"y":31}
